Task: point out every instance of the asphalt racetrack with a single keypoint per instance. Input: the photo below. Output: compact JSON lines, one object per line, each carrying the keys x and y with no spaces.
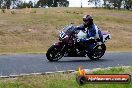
{"x":16,"y":64}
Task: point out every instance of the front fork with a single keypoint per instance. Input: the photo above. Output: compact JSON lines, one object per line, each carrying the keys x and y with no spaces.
{"x":61,"y":46}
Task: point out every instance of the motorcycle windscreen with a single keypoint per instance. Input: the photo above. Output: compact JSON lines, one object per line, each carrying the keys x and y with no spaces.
{"x":69,"y":29}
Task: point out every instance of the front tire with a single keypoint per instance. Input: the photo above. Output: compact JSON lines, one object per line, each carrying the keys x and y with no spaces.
{"x":97,"y":53}
{"x":53,"y":53}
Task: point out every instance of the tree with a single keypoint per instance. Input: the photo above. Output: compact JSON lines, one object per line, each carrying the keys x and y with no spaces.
{"x":31,"y":4}
{"x":63,"y":3}
{"x":21,"y":4}
{"x":113,"y":3}
{"x":1,"y":3}
{"x":53,"y":3}
{"x":95,"y":2}
{"x":116,"y":3}
{"x":40,"y":3}
{"x":128,"y":4}
{"x":7,"y":3}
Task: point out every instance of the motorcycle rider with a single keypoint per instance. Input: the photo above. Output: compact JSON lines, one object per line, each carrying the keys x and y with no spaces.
{"x":93,"y":32}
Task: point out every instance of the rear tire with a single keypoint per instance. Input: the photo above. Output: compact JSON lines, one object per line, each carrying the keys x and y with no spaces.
{"x":97,"y":53}
{"x":53,"y":53}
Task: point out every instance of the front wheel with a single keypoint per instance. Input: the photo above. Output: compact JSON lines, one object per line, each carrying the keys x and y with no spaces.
{"x":54,"y":53}
{"x":97,"y":53}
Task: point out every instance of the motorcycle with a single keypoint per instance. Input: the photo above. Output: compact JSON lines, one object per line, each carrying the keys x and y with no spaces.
{"x":70,"y":46}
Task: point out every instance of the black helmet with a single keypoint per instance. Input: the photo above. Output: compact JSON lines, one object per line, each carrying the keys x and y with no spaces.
{"x":88,"y":20}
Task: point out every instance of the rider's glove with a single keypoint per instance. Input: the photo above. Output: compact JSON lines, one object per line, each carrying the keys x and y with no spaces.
{"x":98,"y":40}
{"x":91,"y":40}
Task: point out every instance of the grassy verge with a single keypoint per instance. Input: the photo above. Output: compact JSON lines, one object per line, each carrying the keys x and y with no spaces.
{"x":63,"y":80}
{"x":35,"y":30}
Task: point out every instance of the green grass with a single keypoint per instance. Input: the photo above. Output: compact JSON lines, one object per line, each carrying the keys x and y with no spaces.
{"x":35,"y":30}
{"x":63,"y":80}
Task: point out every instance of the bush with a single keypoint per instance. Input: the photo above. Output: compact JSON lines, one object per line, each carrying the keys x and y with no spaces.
{"x":3,"y":10}
{"x":12,"y":12}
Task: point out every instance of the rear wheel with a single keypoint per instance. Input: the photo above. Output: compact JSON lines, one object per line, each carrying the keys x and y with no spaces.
{"x":97,"y":53}
{"x":54,"y":53}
